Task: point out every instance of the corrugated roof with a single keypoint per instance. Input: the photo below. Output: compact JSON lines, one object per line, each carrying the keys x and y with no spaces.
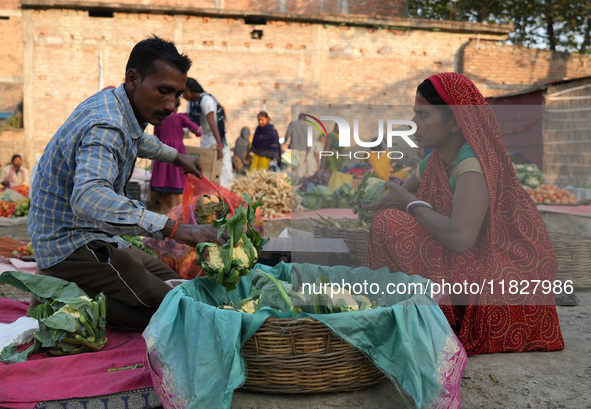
{"x":541,"y":87}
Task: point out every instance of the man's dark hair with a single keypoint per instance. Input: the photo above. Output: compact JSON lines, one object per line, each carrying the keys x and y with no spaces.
{"x":302,"y":116}
{"x":194,"y":86}
{"x":147,"y":51}
{"x":16,"y":155}
{"x":427,"y":90}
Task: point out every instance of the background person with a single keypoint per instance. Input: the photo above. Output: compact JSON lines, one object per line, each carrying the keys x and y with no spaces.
{"x":240,"y":161}
{"x":332,"y":162}
{"x":473,"y":223}
{"x":265,"y":144}
{"x":296,"y":139}
{"x":78,"y":207}
{"x":167,"y":181}
{"x":14,"y":174}
{"x":205,"y":110}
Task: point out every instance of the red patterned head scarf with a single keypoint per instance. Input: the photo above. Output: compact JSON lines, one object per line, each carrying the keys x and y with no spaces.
{"x":479,"y":125}
{"x":518,"y":243}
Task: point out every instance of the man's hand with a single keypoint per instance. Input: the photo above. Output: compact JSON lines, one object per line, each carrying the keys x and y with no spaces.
{"x":191,"y":235}
{"x":220,"y":152}
{"x":396,"y":197}
{"x":190,"y":164}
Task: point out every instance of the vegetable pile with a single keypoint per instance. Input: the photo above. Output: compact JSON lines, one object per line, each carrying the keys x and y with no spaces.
{"x":269,"y":291}
{"x":7,"y":209}
{"x":227,"y":264}
{"x":370,"y":190}
{"x":321,"y":177}
{"x":551,"y":194}
{"x":14,"y":202}
{"x":528,"y":175}
{"x":209,"y":208}
{"x":273,"y":187}
{"x":22,"y":251}
{"x":319,"y":197}
{"x":22,"y":189}
{"x":136,"y":241}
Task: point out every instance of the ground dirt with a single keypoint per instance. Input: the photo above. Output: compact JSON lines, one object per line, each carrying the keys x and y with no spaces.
{"x":544,"y":380}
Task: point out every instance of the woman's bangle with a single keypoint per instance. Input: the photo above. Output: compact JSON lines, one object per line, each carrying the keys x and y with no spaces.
{"x":409,"y":202}
{"x":219,"y":145}
{"x":417,"y":203}
{"x":173,"y":231}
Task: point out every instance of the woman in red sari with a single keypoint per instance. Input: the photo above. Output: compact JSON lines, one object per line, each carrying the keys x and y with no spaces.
{"x":463,"y":217}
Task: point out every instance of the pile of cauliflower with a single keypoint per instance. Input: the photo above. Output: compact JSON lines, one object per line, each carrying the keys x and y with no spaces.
{"x":228,"y":263}
{"x":239,"y":253}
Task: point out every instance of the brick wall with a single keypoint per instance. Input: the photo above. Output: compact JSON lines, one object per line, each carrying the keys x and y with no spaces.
{"x":11,"y":56}
{"x":502,"y":68}
{"x":11,"y":142}
{"x":294,"y":63}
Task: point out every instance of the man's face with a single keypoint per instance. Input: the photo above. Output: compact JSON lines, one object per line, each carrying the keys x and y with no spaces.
{"x":155,"y":96}
{"x":17,"y":162}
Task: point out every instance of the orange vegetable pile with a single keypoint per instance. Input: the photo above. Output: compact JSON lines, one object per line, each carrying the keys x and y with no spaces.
{"x":551,"y":194}
{"x":22,"y":189}
{"x":24,"y":250}
{"x":7,"y":209}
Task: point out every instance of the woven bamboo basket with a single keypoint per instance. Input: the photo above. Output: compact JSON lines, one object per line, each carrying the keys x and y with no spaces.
{"x":355,"y":238}
{"x":574,"y":258}
{"x":302,"y":355}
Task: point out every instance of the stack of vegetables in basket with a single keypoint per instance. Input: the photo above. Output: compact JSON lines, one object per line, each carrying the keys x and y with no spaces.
{"x":228,"y":263}
{"x":268,"y":291}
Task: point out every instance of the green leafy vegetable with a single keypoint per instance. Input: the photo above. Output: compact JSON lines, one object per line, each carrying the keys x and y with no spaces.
{"x":528,"y":175}
{"x":228,"y":263}
{"x":370,"y":190}
{"x":69,"y":321}
{"x":210,"y":208}
{"x":268,"y":291}
{"x":136,"y":241}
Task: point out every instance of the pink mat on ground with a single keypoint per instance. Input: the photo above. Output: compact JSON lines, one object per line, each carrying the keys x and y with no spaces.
{"x":45,"y":377}
{"x":582,"y":210}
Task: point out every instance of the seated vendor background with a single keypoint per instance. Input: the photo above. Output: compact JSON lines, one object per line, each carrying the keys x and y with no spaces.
{"x":14,"y":174}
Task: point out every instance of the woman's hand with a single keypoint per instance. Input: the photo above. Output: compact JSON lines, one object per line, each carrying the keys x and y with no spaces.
{"x":190,"y":164}
{"x":395,"y":197}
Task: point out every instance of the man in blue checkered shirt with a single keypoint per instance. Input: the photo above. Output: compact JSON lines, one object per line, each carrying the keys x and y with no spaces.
{"x":78,"y":206}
